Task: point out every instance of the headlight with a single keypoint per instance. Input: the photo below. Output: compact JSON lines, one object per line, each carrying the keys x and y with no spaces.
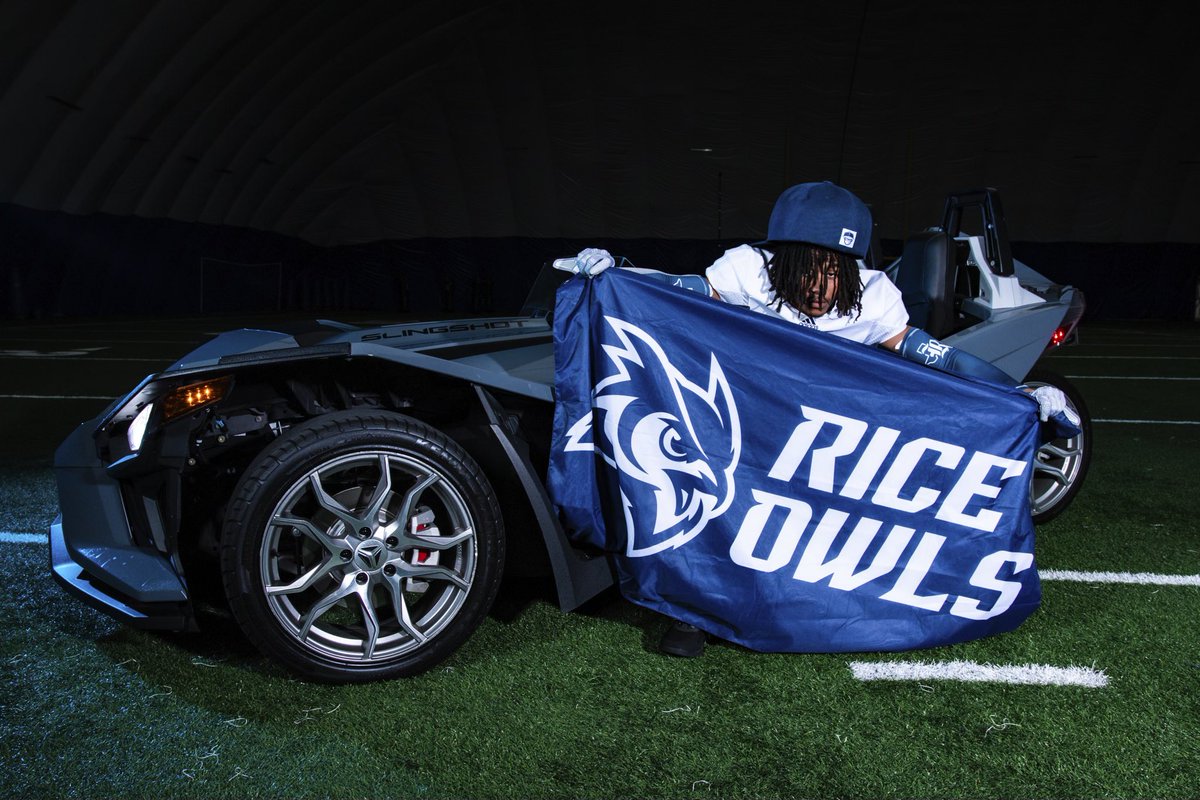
{"x":137,"y":428}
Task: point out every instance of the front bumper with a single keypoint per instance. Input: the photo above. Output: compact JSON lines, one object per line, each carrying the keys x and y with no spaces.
{"x":94,"y":554}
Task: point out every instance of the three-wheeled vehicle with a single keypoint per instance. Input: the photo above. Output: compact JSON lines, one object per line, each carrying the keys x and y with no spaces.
{"x":354,"y":495}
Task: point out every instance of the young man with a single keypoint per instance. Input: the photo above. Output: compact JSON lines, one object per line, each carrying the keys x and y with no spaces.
{"x":807,"y":272}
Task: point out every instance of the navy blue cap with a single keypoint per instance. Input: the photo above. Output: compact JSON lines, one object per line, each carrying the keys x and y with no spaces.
{"x":823,"y":214}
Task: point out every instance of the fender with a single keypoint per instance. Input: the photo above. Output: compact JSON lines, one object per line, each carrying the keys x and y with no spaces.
{"x":1014,"y":339}
{"x":578,"y":576}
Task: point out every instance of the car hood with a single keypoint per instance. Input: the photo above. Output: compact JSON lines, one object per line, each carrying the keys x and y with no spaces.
{"x":455,"y":340}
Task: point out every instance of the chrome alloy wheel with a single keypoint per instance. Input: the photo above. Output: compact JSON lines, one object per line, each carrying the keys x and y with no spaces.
{"x":1055,"y":471}
{"x":1060,"y":465}
{"x":368,"y":556}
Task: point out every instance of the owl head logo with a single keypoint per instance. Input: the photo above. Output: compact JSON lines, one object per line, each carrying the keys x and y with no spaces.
{"x":672,"y":442}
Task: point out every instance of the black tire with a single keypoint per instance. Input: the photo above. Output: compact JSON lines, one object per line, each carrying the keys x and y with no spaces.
{"x":1062,"y":464}
{"x":360,"y":546}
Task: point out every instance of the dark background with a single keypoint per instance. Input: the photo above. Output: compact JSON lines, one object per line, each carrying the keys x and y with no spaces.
{"x":161,"y":156}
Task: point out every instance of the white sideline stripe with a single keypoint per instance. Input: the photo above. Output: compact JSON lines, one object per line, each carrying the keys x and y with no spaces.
{"x":85,"y":358}
{"x":1149,"y":421}
{"x":58,"y":397}
{"x":1155,"y":346}
{"x":56,"y":340}
{"x":1036,"y":674}
{"x":1128,"y":378}
{"x":1137,"y":358}
{"x":8,"y":537}
{"x":1151,"y":578}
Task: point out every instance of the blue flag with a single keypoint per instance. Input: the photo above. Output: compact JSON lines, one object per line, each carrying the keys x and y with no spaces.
{"x":782,"y":488}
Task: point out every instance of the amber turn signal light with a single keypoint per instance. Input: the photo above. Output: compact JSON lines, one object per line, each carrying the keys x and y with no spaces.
{"x":194,"y":396}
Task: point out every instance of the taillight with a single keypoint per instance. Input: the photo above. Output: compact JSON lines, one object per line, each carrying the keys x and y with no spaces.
{"x":1067,"y":332}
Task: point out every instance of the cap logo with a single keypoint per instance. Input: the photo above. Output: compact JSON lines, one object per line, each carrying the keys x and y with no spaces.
{"x":848,"y":237}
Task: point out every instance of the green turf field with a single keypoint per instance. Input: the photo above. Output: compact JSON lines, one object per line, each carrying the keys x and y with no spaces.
{"x":545,"y":704}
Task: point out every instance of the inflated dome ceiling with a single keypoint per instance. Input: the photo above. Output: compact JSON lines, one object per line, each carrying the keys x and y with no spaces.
{"x":344,"y":122}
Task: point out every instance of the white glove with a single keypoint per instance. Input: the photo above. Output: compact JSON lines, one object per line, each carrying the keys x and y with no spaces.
{"x":589,"y":263}
{"x":1052,"y":401}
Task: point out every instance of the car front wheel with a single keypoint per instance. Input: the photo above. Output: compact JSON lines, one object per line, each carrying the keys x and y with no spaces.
{"x":362,"y":545}
{"x":1061,"y":464}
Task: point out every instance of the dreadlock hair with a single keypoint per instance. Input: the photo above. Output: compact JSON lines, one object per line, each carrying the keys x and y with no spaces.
{"x":795,"y":266}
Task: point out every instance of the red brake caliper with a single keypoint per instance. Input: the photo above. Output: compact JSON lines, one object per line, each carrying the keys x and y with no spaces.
{"x":422,"y":522}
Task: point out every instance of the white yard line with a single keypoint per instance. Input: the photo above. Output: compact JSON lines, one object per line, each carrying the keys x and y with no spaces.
{"x":1154,"y":346}
{"x":1127,"y":378}
{"x":58,"y":397}
{"x":1150,"y":578}
{"x":145,"y":340}
{"x":1035,"y":674}
{"x":8,"y":537}
{"x":166,"y":360}
{"x":1149,"y":421}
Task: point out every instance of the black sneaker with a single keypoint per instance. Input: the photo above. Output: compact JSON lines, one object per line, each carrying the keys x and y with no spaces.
{"x":683,"y":640}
